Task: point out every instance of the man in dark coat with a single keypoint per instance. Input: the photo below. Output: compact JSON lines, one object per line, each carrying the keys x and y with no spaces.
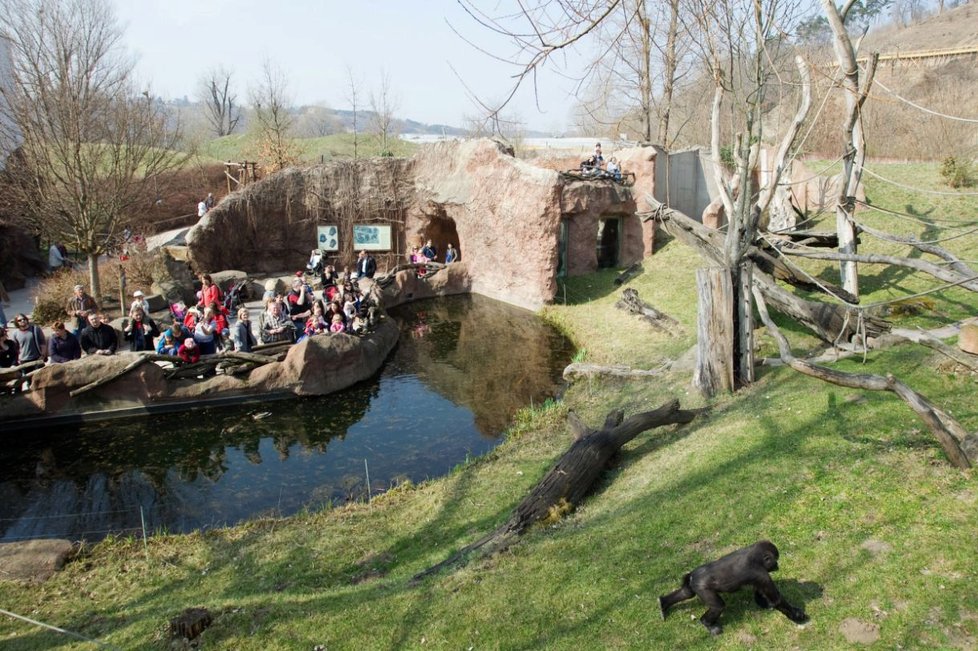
{"x":366,"y":265}
{"x":99,"y":338}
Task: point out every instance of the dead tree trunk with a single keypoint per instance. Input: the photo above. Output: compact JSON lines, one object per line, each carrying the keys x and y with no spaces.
{"x":714,"y":371}
{"x":959,"y":445}
{"x":571,"y":478}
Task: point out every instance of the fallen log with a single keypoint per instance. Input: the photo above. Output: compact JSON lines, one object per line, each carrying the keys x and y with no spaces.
{"x":578,"y":370}
{"x":958,"y":444}
{"x":628,"y":274}
{"x":630,"y":302}
{"x":571,"y":478}
{"x":142,"y":359}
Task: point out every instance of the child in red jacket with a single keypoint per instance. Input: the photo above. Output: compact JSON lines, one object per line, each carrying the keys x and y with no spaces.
{"x":189,"y":352}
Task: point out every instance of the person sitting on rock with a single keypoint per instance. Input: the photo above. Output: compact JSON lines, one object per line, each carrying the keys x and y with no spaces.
{"x":8,"y":349}
{"x":337,"y":325}
{"x":168,"y":344}
{"x":242,"y":336}
{"x":63,"y":346}
{"x":205,"y":332}
{"x":317,"y":323}
{"x":275,"y":326}
{"x":222,"y":330}
{"x":614,"y":169}
{"x":99,"y":338}
{"x":189,"y":352}
{"x":140,"y":330}
{"x":429,"y":251}
{"x":299,"y":301}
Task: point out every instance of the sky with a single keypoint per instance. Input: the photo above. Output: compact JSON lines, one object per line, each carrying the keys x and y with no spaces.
{"x":316,"y":42}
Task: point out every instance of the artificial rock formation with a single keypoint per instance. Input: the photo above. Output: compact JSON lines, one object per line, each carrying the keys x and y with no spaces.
{"x":502,"y":213}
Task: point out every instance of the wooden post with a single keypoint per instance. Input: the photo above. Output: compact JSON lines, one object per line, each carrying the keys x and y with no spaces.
{"x":122,"y":291}
{"x":745,"y":326}
{"x":715,"y":333}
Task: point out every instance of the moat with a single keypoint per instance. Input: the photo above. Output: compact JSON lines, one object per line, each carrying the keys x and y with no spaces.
{"x":462,"y":368}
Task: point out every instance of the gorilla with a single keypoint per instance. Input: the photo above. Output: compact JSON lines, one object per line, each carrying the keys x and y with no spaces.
{"x":748,"y":566}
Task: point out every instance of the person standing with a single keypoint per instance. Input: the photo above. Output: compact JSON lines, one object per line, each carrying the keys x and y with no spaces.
{"x":56,"y":258}
{"x":451,"y":254}
{"x":244,"y":339}
{"x":209,"y":201}
{"x":30,"y":341}
{"x":202,"y":208}
{"x":79,"y":306}
{"x":209,"y":292}
{"x":366,"y":265}
{"x":140,"y":331}
{"x":63,"y":346}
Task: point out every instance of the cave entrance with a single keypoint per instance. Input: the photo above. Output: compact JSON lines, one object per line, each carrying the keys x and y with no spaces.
{"x":442,"y":232}
{"x":609,"y":242}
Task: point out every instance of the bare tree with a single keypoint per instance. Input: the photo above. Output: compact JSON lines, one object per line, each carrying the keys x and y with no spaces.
{"x":383,"y":104}
{"x":354,"y":96}
{"x":93,"y":148}
{"x":220,"y":101}
{"x":273,"y":118}
{"x":317,"y":121}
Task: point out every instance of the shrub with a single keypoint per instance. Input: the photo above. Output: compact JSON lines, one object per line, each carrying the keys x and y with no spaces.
{"x":958,"y":173}
{"x":54,"y":291}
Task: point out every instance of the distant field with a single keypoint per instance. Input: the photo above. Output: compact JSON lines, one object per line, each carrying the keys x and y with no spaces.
{"x":241,"y":146}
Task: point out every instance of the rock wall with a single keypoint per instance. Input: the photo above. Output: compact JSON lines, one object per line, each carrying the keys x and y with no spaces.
{"x":503,"y":214}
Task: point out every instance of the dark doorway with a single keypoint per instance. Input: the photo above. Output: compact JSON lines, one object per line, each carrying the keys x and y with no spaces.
{"x":609,"y":235}
{"x":442,"y":232}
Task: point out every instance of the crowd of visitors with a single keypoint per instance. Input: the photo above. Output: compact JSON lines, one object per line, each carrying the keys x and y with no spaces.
{"x":203,"y":329}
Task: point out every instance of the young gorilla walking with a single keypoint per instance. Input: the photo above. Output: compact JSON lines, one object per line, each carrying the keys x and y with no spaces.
{"x":748,"y":566}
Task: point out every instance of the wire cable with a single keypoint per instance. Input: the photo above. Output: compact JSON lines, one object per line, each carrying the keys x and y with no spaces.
{"x":78,"y":636}
{"x":924,"y":108}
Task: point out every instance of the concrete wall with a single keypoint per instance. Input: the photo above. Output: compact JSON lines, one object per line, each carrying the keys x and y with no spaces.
{"x":685,"y":182}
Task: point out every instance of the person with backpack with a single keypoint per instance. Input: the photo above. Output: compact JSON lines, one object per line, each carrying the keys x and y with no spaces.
{"x":30,"y":341}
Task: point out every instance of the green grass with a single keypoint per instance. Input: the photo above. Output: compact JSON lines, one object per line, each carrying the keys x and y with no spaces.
{"x":241,"y":146}
{"x":872,"y":522}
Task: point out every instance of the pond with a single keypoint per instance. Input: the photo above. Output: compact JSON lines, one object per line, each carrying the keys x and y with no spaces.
{"x":462,"y":368}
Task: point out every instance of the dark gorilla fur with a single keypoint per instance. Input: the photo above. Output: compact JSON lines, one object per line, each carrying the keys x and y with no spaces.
{"x":748,"y":566}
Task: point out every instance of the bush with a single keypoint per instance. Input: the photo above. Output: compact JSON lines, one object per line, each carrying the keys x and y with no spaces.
{"x":54,"y":291}
{"x":958,"y":173}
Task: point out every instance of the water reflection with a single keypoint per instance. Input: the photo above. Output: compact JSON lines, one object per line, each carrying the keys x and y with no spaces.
{"x":461,"y":370}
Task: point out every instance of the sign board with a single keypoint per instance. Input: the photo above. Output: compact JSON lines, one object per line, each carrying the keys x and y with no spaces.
{"x":372,"y":237}
{"x":328,"y":237}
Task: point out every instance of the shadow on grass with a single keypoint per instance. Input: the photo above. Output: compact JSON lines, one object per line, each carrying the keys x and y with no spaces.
{"x":768,"y":468}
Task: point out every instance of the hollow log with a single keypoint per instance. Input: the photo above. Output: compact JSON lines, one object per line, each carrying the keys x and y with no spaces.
{"x":630,"y":302}
{"x":571,"y":478}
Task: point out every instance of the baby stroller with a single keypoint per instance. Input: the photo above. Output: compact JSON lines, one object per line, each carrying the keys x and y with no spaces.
{"x":315,"y":265}
{"x":235,"y":295}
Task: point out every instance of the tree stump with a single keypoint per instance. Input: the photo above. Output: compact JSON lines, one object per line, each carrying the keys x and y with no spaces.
{"x":714,"y":371}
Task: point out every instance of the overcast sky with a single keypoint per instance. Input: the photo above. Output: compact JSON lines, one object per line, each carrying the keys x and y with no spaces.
{"x":314,"y":41}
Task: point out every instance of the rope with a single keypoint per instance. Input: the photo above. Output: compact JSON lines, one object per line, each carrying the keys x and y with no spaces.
{"x":78,"y":636}
{"x":866,"y":170}
{"x":899,"y":241}
{"x":814,"y":176}
{"x":924,"y":108}
{"x":915,"y":218}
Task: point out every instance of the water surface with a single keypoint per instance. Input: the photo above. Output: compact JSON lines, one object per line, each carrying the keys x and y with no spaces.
{"x":462,"y":368}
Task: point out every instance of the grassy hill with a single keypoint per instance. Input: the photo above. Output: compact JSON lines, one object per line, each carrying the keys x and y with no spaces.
{"x":876,"y":530}
{"x":241,"y":146}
